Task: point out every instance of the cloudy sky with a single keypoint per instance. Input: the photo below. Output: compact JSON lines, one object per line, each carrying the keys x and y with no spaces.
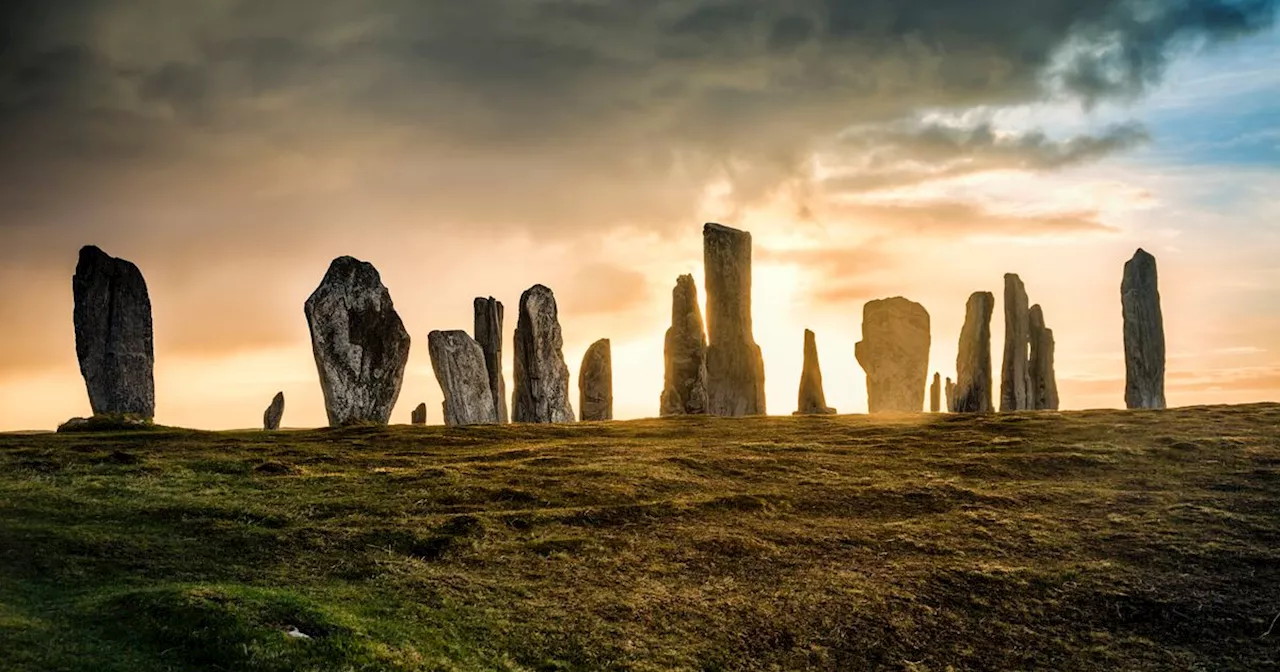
{"x":232,"y":148}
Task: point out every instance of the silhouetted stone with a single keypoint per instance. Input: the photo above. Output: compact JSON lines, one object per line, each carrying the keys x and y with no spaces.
{"x":274,"y":413}
{"x":684,"y":388}
{"x":114,"y":341}
{"x":595,"y":382}
{"x":419,"y":415}
{"x":935,"y":394}
{"x":894,"y":352}
{"x":1015,"y":370}
{"x":458,"y":362}
{"x":1044,"y":382}
{"x":973,"y":388}
{"x":735,"y":367}
{"x":360,"y":344}
{"x":1144,"y":353}
{"x":951,"y":396}
{"x":488,"y":332}
{"x":541,"y":391}
{"x":812,"y":400}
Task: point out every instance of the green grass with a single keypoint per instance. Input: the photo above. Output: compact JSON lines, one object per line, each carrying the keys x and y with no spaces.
{"x":1100,"y":540}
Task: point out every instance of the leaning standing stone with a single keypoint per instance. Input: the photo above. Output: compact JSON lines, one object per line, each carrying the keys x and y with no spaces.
{"x":735,"y":367}
{"x":595,"y":382}
{"x":684,"y":388}
{"x":360,"y":344}
{"x":114,"y":341}
{"x":274,"y":413}
{"x":812,"y":399}
{"x":458,"y":362}
{"x":541,"y":391}
{"x":419,"y":415}
{"x":894,"y":352}
{"x":488,"y":332}
{"x":1015,"y":374}
{"x":1144,"y":354}
{"x":973,"y":389}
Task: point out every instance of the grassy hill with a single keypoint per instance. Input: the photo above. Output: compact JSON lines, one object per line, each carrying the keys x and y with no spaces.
{"x":1076,"y":541}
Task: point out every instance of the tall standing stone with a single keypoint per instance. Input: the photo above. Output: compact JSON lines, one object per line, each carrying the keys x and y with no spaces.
{"x":894,"y":352}
{"x":1144,"y":353}
{"x":973,"y":389}
{"x":419,"y":415}
{"x":114,"y":341}
{"x":274,"y":414}
{"x":541,"y":391}
{"x":595,"y":382}
{"x":458,"y":362}
{"x":488,"y":332}
{"x":950,"y":392}
{"x":360,"y":344}
{"x":735,"y":367}
{"x":935,"y":394}
{"x":812,"y":400}
{"x":1015,"y":374}
{"x":1044,"y":382}
{"x":684,"y":388}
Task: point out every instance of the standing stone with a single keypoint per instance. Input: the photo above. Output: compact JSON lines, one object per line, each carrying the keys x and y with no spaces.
{"x":1143,"y":333}
{"x":935,"y":394}
{"x":488,"y":331}
{"x":1015,"y":373}
{"x":1044,"y":382}
{"x":973,"y":388}
{"x":951,"y":396}
{"x":458,"y":362}
{"x":274,"y":413}
{"x":419,"y":415}
{"x":360,"y":344}
{"x":684,"y":387}
{"x":595,"y":382}
{"x":114,"y":341}
{"x":735,"y":367}
{"x":812,"y":400}
{"x":541,"y":377}
{"x":894,"y":351}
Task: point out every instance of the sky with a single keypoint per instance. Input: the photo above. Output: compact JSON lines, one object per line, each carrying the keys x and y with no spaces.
{"x":874,"y":148}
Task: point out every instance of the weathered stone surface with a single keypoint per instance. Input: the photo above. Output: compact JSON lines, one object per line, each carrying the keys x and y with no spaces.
{"x":684,"y":388}
{"x":1144,"y":353}
{"x":1044,"y":382}
{"x":274,"y":413}
{"x":973,"y":388}
{"x":812,"y":400}
{"x":360,"y":344}
{"x":735,"y":367}
{"x":114,"y":341}
{"x":1015,"y":372}
{"x":894,"y":352}
{"x":107,"y":422}
{"x":541,"y":391}
{"x":935,"y":394}
{"x":951,"y":396}
{"x":458,"y":362}
{"x":488,"y":332}
{"x":595,"y":382}
{"x":419,"y":415}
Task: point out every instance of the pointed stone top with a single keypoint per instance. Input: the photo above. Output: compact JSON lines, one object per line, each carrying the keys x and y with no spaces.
{"x":712,"y":227}
{"x":1142,"y":258}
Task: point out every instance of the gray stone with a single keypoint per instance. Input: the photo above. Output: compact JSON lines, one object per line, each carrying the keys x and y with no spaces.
{"x":1144,"y":353}
{"x":458,"y":362}
{"x":359,"y":343}
{"x":951,"y":396}
{"x":274,"y":413}
{"x":935,"y":394}
{"x":684,"y":388}
{"x":114,"y":341}
{"x":894,"y":352}
{"x":488,"y":332}
{"x":1015,"y":370}
{"x":1044,"y":382}
{"x":541,"y":391}
{"x":812,"y":400}
{"x":973,"y":388}
{"x":735,"y":367}
{"x":419,"y":415}
{"x":595,"y":382}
